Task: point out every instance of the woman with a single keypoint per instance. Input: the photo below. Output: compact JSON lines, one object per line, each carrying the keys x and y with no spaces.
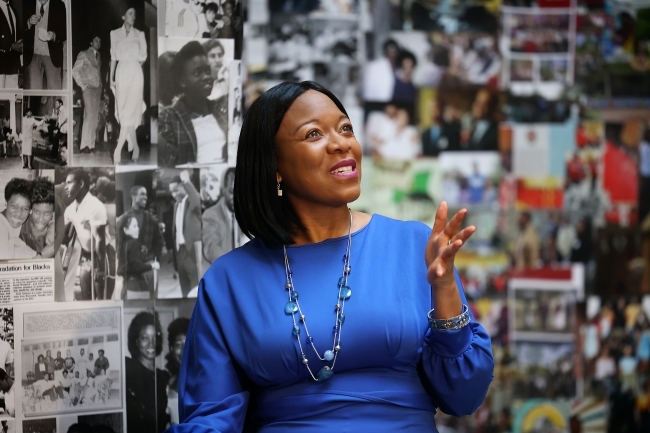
{"x":128,"y":53}
{"x":38,"y":232}
{"x":248,"y":346}
{"x":40,"y":368}
{"x":29,"y":125}
{"x":176,"y":334}
{"x":18,"y":196}
{"x":146,"y":403}
{"x":193,"y":129}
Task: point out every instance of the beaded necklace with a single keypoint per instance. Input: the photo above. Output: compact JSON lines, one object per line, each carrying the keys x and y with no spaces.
{"x":293,"y":306}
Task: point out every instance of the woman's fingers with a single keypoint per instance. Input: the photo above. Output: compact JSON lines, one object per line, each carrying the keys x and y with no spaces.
{"x":454,"y":224}
{"x":440,"y":220}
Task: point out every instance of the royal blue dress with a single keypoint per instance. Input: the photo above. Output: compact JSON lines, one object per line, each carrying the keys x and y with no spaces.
{"x":241,"y":362}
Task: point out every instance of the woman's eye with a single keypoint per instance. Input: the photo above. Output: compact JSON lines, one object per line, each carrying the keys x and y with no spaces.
{"x":312,"y":134}
{"x":347,"y":128}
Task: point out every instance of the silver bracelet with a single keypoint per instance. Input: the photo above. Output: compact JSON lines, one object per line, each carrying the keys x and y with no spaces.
{"x":450,"y":324}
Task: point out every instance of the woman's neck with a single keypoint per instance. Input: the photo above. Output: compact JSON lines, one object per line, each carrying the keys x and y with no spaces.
{"x":127,"y":27}
{"x":197,"y":104}
{"x":324,"y":223}
{"x":148,"y":363}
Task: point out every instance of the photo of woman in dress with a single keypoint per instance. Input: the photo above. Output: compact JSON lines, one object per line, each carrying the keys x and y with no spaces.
{"x":128,"y":53}
{"x":145,"y":409}
{"x":29,"y":125}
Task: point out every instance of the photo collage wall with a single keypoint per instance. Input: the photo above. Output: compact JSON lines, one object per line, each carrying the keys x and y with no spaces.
{"x":120,"y":121}
{"x":119,"y":128}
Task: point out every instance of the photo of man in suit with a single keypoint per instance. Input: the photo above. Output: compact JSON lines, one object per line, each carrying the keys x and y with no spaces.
{"x":87,"y":74}
{"x":11,"y":46}
{"x":43,"y":44}
{"x":186,"y":231}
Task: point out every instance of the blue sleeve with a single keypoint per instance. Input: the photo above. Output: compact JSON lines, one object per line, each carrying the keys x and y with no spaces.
{"x":211,"y":396}
{"x":458,"y":365}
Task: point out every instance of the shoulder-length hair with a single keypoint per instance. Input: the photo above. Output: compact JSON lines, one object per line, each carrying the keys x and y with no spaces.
{"x":142,"y":320}
{"x":258,"y":209}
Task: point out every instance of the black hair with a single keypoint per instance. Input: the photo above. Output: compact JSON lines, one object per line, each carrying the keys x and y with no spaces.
{"x":59,"y":100}
{"x":141,"y":320}
{"x":27,"y":108}
{"x":259,"y":211}
{"x":176,"y":179}
{"x":42,"y":191}
{"x":3,"y":374}
{"x":40,"y":357}
{"x":405,"y":54}
{"x":388,"y":43}
{"x":184,"y":55}
{"x":18,"y":186}
{"x":211,"y":7}
{"x":81,"y":175}
{"x":177,"y":327}
{"x":95,"y":35}
{"x":227,"y":172}
{"x":81,"y":427}
{"x":106,"y":187}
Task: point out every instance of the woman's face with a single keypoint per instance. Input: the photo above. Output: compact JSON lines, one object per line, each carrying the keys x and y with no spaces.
{"x":318,"y":156}
{"x":177,"y":348}
{"x":132,"y":230}
{"x":17,"y":211}
{"x":42,"y":214}
{"x":147,"y":342}
{"x":215,"y":58}
{"x":197,"y":79}
{"x":129,"y":17}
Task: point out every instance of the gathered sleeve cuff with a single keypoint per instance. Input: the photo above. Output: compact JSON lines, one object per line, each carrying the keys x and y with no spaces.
{"x":459,"y":365}
{"x":212,"y":397}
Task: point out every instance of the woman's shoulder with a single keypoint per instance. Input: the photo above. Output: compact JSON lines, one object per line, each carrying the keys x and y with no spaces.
{"x":399,"y":226}
{"x":248,"y":256}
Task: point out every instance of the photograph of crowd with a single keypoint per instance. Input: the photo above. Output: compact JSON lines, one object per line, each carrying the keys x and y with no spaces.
{"x":160,"y":253}
{"x":544,"y":370}
{"x":27,"y":221}
{"x":85,"y":249}
{"x":543,"y":311}
{"x":72,"y":375}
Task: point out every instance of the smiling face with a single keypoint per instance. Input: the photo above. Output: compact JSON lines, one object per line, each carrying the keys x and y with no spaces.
{"x":147,"y":342}
{"x":140,"y":198}
{"x":17,"y":211}
{"x":42,"y":214}
{"x":318,"y":156}
{"x":197,"y":81}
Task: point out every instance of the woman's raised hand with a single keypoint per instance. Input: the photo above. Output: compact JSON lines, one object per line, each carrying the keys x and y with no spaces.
{"x":444,"y":242}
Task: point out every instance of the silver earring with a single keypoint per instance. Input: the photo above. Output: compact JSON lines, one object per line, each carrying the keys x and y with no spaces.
{"x":279,"y":190}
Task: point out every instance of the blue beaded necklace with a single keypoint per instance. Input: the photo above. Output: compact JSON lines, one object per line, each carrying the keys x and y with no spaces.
{"x":293,"y":307}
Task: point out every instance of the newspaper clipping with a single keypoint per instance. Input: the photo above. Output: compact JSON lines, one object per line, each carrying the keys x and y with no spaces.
{"x":69,"y":362}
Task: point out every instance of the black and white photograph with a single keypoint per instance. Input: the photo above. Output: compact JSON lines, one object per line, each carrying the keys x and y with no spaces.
{"x":112,"y":68}
{"x":45,"y":44}
{"x":160,"y":252}
{"x":11,"y":44}
{"x":45,"y":130}
{"x":10,"y":130}
{"x":544,"y":311}
{"x":153,"y":350}
{"x":451,"y":17}
{"x":220,"y":233}
{"x":76,"y":369}
{"x":235,"y":109}
{"x":544,"y":370}
{"x":85,"y":266}
{"x":290,"y":48}
{"x":7,"y":375}
{"x":217,"y":19}
{"x":531,"y":75}
{"x":335,"y":56}
{"x":193,"y":117}
{"x":315,"y":7}
{"x":43,"y":425}
{"x":27,"y":220}
{"x":97,"y":423}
